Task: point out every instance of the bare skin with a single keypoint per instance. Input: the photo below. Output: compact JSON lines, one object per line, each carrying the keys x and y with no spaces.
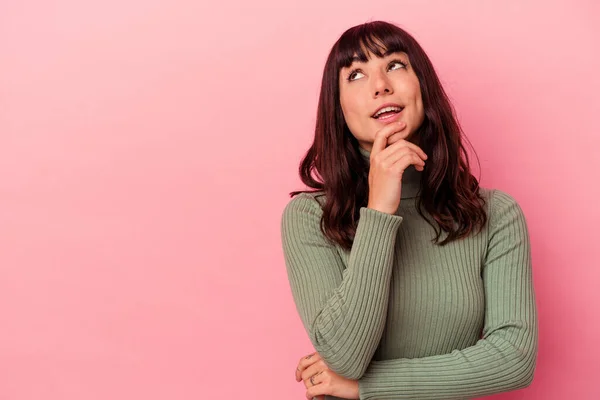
{"x":326,"y":382}
{"x":364,"y":88}
{"x":387,"y":164}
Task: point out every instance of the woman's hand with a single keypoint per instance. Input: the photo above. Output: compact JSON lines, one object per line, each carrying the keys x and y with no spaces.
{"x":387,"y":164}
{"x":320,"y":380}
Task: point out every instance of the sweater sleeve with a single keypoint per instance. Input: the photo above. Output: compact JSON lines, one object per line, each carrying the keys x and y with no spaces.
{"x":504,"y":358}
{"x":343,"y":308}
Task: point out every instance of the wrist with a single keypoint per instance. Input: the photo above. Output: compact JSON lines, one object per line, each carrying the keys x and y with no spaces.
{"x":380,"y":209}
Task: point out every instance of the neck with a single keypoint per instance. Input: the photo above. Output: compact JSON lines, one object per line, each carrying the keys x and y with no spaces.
{"x":411,"y":178}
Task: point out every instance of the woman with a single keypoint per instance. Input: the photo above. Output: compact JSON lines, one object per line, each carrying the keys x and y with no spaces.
{"x":411,"y":280}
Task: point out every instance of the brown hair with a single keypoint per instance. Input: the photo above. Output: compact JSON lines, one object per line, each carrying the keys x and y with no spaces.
{"x":449,"y":192}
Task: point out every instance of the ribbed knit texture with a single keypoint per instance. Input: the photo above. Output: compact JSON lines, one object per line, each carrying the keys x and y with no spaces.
{"x":410,"y":319}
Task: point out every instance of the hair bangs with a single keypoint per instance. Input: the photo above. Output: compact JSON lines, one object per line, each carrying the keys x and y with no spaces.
{"x":377,"y":39}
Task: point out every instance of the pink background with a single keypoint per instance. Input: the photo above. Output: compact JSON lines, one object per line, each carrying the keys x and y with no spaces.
{"x":146,"y":153}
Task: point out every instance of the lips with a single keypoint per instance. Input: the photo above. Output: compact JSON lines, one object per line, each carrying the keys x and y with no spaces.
{"x":387,"y":105}
{"x":392,"y":117}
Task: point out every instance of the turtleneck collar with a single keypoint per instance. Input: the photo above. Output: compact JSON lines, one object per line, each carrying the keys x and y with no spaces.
{"x":411,"y":178}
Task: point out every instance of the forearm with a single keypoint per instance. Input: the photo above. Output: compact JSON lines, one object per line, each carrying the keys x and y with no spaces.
{"x":349,"y":327}
{"x":345,"y":315}
{"x":504,"y":358}
{"x":493,"y":365}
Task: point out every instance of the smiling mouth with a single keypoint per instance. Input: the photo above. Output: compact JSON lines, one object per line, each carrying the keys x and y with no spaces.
{"x":387,"y":114}
{"x":389,"y":117}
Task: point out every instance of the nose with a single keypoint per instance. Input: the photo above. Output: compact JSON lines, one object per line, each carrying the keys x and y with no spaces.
{"x":381,"y":84}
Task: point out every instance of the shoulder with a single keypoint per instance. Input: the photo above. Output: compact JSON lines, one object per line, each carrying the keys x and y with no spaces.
{"x":303,"y":213}
{"x":301,"y":222}
{"x":497,"y":199}
{"x":502,"y":208}
{"x":305,"y":202}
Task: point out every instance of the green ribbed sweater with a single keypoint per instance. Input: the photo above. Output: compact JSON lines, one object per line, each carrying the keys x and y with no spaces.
{"x":410,"y":319}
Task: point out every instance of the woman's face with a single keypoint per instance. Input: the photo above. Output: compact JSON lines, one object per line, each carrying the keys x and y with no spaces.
{"x":365,"y":87}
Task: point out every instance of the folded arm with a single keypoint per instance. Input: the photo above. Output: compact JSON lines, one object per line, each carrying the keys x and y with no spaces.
{"x":343,"y":308}
{"x":504,"y":358}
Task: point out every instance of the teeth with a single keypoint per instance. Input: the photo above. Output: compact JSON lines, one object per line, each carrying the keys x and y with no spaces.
{"x":386,"y":109}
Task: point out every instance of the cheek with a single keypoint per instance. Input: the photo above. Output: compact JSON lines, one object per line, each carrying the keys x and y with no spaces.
{"x":415,"y":90}
{"x":418,"y":100}
{"x":353,"y":111}
{"x":346,"y":104}
{"x":351,"y":105}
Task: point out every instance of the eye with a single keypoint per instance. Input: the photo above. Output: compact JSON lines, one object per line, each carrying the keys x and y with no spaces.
{"x":351,"y":76}
{"x":355,"y":71}
{"x":398,"y":62}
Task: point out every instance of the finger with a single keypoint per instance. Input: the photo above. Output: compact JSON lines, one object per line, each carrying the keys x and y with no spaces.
{"x":316,"y":379}
{"x":408,"y":159}
{"x":381,"y":136}
{"x":302,"y":365}
{"x":403,"y":143}
{"x":391,"y":160}
{"x":306,"y":362}
{"x":380,"y":141}
{"x":316,"y":368}
{"x":315,"y":391}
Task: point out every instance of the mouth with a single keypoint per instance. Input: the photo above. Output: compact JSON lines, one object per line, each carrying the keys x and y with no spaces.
{"x":388,"y":115}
